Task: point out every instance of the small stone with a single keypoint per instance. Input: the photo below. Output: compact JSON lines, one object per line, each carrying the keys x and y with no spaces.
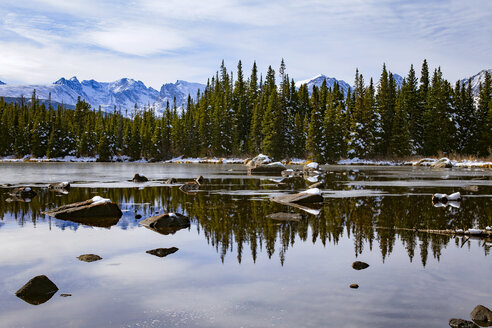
{"x":354,"y":286}
{"x":170,"y":181}
{"x":162,"y":252}
{"x":89,"y":257}
{"x":358,"y":265}
{"x":460,"y":323}
{"x":138,"y":216}
{"x":139,"y":178}
{"x":65,"y":295}
{"x":481,"y":315}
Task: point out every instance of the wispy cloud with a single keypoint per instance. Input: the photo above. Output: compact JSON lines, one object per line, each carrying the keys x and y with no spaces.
{"x":161,"y":41}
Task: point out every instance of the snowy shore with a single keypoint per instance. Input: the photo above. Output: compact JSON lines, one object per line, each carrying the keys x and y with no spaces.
{"x":429,"y":162}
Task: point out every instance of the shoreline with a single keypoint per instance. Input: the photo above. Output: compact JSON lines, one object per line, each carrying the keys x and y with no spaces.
{"x":426,"y":162}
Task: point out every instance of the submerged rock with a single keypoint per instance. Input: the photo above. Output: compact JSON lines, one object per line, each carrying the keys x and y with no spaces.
{"x":292,"y":173}
{"x":190,"y":186}
{"x":37,"y":291}
{"x":97,"y":211}
{"x":354,"y":286}
{"x":89,"y":257}
{"x":162,"y":252}
{"x":22,"y":192}
{"x":460,"y":323}
{"x":481,"y":315}
{"x":309,"y":196}
{"x":139,"y":178}
{"x":358,"y":265}
{"x":285,"y":216}
{"x":65,"y":295}
{"x":166,"y":223}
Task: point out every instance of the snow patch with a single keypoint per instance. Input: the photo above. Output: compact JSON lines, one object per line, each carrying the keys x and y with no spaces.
{"x":100,"y":200}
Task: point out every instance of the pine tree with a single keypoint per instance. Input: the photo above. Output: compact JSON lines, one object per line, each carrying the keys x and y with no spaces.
{"x":400,"y":135}
{"x":271,"y":128}
{"x":483,"y":109}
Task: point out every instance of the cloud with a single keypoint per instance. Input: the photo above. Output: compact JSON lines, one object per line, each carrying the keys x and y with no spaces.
{"x":161,"y":41}
{"x":140,"y":40}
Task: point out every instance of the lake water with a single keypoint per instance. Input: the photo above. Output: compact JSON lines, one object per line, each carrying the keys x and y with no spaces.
{"x":234,"y":266}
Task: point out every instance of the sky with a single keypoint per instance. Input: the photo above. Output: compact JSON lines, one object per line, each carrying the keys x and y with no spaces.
{"x":161,"y":41}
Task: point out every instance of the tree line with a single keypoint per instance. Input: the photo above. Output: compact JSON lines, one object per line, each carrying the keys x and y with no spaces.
{"x":245,"y":116}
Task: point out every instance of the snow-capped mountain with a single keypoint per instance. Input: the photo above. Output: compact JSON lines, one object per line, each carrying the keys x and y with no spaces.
{"x":179,"y":91}
{"x":2,"y":83}
{"x":476,"y":80}
{"x":398,"y":80}
{"x":122,"y":94}
{"x":318,"y":81}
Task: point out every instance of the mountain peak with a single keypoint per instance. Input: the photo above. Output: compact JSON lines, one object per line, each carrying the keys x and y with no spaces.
{"x":2,"y":83}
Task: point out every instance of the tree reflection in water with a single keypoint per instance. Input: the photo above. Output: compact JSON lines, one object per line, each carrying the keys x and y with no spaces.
{"x":233,"y":221}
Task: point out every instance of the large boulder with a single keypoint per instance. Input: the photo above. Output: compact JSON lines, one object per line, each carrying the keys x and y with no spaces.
{"x":272,"y":168}
{"x":37,"y":290}
{"x":442,"y":163}
{"x":162,"y":252}
{"x":312,"y":195}
{"x":460,"y":323}
{"x":139,"y":178}
{"x":481,"y":315}
{"x":259,"y":160}
{"x":166,"y":223}
{"x":23,"y":192}
{"x":96,"y":211}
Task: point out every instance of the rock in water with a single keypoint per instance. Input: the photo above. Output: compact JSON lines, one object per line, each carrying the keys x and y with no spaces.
{"x":199,"y":180}
{"x":37,"y":291}
{"x":89,"y":257}
{"x":460,"y":323}
{"x":166,"y":223}
{"x":139,"y":178}
{"x":259,"y":160}
{"x":170,"y":181}
{"x":162,"y":252}
{"x":309,"y":196}
{"x":94,"y":212}
{"x":354,"y":286}
{"x":190,"y":186}
{"x":23,"y":192}
{"x":272,"y":168}
{"x":481,"y":315}
{"x":442,"y":163}
{"x":59,"y":185}
{"x":358,"y":265}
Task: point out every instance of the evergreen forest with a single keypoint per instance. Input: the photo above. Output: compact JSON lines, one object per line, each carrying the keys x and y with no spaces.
{"x":237,"y":115}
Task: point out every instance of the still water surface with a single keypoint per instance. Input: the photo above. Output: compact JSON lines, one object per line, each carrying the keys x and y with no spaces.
{"x":234,"y":266}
